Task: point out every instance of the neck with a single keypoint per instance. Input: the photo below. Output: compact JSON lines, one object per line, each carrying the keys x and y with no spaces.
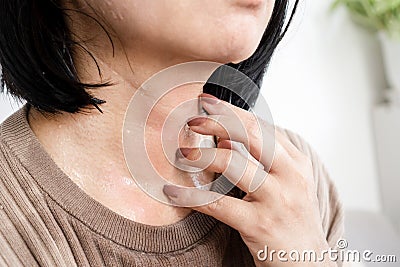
{"x":88,"y":146}
{"x":94,"y":128}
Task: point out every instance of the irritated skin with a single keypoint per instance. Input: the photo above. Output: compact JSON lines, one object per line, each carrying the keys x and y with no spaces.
{"x":93,"y":157}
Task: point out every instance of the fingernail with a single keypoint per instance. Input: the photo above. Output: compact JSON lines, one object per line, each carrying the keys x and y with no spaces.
{"x":182,"y":152}
{"x":209,"y":100}
{"x":171,"y":190}
{"x":185,"y":151}
{"x":197,"y":121}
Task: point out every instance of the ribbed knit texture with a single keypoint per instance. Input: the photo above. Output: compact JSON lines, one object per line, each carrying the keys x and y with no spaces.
{"x":47,"y":220}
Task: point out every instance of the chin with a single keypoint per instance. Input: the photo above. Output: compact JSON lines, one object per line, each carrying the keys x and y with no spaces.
{"x":238,"y":45}
{"x":243,"y":54}
{"x":232,"y":43}
{"x":236,"y":52}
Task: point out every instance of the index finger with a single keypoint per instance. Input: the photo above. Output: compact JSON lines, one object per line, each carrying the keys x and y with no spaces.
{"x":234,"y":212}
{"x":261,"y":134}
{"x":242,"y":126}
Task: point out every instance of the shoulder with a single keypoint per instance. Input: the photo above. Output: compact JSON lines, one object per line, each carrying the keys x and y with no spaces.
{"x":9,"y":141}
{"x":331,"y":208}
{"x":17,"y":212}
{"x":14,"y":223}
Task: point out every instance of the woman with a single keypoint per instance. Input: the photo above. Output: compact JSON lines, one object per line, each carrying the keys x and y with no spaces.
{"x":67,"y":196}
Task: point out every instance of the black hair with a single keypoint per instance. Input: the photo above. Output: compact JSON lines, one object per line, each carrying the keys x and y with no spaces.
{"x":37,"y":57}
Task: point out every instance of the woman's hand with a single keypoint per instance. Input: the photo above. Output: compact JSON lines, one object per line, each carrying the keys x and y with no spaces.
{"x":280,"y":209}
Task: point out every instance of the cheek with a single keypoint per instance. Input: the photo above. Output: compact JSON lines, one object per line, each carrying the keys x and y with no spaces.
{"x":131,"y":17}
{"x":108,"y":10}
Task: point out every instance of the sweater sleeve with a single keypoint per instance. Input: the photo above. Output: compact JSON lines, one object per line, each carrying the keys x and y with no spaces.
{"x":330,"y":206}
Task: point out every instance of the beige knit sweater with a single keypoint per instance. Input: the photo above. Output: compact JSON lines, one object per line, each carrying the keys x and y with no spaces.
{"x":47,"y":220}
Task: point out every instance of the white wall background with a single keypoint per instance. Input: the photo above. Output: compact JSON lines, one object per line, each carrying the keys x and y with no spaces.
{"x":322,"y":83}
{"x":7,"y":106}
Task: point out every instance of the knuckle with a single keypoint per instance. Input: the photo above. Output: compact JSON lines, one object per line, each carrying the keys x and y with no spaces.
{"x":213,"y":206}
{"x":185,"y":195}
{"x":253,"y":128}
{"x":266,"y":226}
{"x":222,"y":160}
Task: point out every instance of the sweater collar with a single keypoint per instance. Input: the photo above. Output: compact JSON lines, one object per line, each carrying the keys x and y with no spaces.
{"x":19,"y":138}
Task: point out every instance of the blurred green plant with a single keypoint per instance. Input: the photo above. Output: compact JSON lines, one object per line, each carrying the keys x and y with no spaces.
{"x":378,"y":15}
